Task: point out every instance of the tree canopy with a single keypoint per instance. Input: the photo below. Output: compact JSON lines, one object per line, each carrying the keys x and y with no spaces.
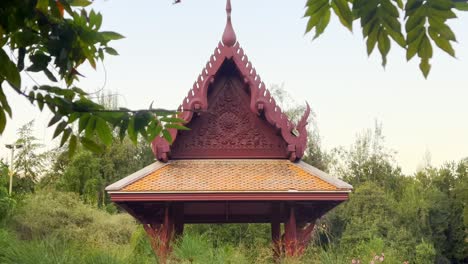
{"x":54,"y":38}
{"x":425,"y":24}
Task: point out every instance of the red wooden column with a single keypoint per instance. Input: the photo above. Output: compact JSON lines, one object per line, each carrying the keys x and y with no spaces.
{"x":162,"y":234}
{"x":290,"y":231}
{"x":276,"y":230}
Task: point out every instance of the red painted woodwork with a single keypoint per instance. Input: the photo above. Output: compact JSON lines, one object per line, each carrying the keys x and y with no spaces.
{"x":161,"y":234}
{"x":231,"y":115}
{"x":241,"y":196}
{"x":276,"y":230}
{"x":261,"y":101}
{"x":229,"y":36}
{"x":228,"y":129}
{"x":290,"y":232}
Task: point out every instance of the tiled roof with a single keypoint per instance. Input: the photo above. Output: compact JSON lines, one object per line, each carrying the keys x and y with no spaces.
{"x":231,"y":175}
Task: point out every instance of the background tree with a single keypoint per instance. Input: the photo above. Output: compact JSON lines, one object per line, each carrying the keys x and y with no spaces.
{"x":314,"y":154}
{"x":29,"y":163}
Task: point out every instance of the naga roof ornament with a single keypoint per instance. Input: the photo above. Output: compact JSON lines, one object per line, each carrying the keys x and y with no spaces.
{"x":261,"y":101}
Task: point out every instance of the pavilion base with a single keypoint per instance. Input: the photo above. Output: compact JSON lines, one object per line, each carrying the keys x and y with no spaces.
{"x":164,"y":221}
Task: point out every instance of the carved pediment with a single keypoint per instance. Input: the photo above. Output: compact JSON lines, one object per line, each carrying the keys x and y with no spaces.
{"x":228,"y":128}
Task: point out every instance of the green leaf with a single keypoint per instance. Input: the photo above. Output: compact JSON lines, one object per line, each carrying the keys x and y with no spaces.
{"x":31,"y":96}
{"x":415,"y":34}
{"x":167,"y":136}
{"x":442,"y":5}
{"x":442,"y":28}
{"x":442,"y":43}
{"x":81,"y":3}
{"x":66,"y":134}
{"x":73,"y":116}
{"x":399,"y":3}
{"x":95,"y":19}
{"x":4,"y":101}
{"x":322,"y":24}
{"x":123,"y":128}
{"x":314,"y":6}
{"x":91,"y":145}
{"x":389,"y":9}
{"x":57,"y":117}
{"x":384,"y":45}
{"x":397,"y":37}
{"x":21,"y":54}
{"x":343,"y":12}
{"x":412,"y":50}
{"x":425,"y":48}
{"x":40,"y":101}
{"x":413,"y":22}
{"x":3,"y":121}
{"x":40,"y":62}
{"x":372,"y":40}
{"x":42,"y":5}
{"x":154,"y":131}
{"x":132,"y":133}
{"x":59,"y":129}
{"x":83,"y":122}
{"x":79,"y":91}
{"x":103,"y":131}
{"x":425,"y":67}
{"x":172,"y":120}
{"x":177,"y":126}
{"x":110,"y":35}
{"x":8,"y":70}
{"x":50,"y":75}
{"x":72,"y":145}
{"x":90,"y":127}
{"x":111,"y":51}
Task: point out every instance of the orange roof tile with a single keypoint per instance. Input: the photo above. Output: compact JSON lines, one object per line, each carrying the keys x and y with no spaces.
{"x":230,"y":176}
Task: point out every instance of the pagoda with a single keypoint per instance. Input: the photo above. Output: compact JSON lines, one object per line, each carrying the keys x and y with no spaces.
{"x":240,"y":162}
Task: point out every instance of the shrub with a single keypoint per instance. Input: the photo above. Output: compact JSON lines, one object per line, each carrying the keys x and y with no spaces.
{"x":62,"y":214}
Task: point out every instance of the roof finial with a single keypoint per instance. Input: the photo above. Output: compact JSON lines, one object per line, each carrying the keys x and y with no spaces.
{"x":229,"y":36}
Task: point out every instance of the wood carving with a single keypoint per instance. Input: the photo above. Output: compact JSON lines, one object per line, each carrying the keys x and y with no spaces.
{"x":228,"y":129}
{"x":261,"y":102}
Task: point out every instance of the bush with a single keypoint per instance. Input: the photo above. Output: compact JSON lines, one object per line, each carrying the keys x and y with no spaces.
{"x":6,"y":205}
{"x":425,"y":253}
{"x":62,"y":214}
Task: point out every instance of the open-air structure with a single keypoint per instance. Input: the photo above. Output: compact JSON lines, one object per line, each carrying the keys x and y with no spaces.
{"x":240,"y":162}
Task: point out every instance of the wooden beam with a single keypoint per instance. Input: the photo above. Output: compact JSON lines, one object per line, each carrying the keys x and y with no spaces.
{"x":243,"y":196}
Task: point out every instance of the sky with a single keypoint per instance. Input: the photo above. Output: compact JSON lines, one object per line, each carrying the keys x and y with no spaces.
{"x":166,"y":47}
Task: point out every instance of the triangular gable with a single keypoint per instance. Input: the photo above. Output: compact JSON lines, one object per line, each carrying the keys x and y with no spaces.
{"x":228,"y":128}
{"x":261,"y":102}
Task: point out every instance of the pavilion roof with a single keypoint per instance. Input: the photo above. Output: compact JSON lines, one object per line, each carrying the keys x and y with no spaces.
{"x":261,"y":101}
{"x":229,"y":175}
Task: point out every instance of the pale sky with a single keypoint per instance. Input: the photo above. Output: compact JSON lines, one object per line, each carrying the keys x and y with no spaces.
{"x":166,"y":47}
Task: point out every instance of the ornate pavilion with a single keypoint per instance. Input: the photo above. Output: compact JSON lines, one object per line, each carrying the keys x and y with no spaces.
{"x":240,"y":162}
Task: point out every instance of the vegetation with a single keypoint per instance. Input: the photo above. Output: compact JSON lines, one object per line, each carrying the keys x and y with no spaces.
{"x":59,"y":212}
{"x":53,"y":38}
{"x":425,"y":24}
{"x":65,"y":217}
